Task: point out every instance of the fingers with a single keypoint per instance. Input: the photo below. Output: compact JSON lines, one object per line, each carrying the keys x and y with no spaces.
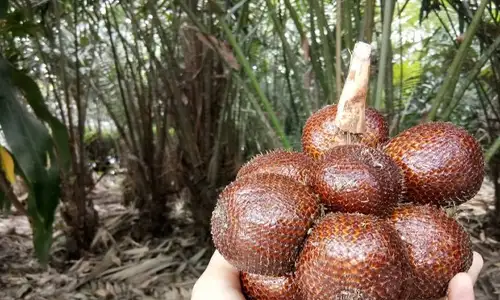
{"x":220,"y":280}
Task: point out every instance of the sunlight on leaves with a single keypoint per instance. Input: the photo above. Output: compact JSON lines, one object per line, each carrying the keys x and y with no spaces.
{"x":7,"y":164}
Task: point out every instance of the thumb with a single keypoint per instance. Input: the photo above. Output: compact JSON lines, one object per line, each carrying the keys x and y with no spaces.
{"x":220,"y":280}
{"x":461,"y":288}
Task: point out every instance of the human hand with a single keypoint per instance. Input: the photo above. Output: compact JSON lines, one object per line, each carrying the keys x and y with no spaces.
{"x":461,"y":287}
{"x":221,"y":281}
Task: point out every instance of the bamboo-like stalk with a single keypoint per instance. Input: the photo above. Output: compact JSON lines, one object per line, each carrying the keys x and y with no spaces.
{"x":356,"y":11}
{"x":255,"y":84}
{"x":315,"y":50}
{"x":327,"y":53}
{"x":289,"y":86}
{"x":338,"y":50}
{"x":295,"y":18}
{"x":141,"y":114}
{"x":128,"y":114}
{"x":65,"y":84}
{"x":446,"y":90}
{"x":347,"y":23}
{"x":389,"y":85}
{"x":258,"y":110}
{"x":384,"y":52}
{"x":289,"y":54}
{"x":312,"y":53}
{"x":367,"y":30}
{"x":492,"y":150}
{"x":482,"y":95}
{"x":400,"y":29}
{"x":214,"y":163}
{"x":243,"y":16}
{"x":81,"y":108}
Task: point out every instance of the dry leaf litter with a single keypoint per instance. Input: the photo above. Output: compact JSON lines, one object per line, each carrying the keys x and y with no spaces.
{"x":165,"y":269}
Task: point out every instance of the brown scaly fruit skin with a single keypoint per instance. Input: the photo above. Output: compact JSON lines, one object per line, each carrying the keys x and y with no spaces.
{"x":259,"y":287}
{"x":352,"y":256}
{"x":321,"y":134}
{"x":260,"y":222}
{"x":442,"y":163}
{"x":293,"y":164}
{"x":357,"y":178}
{"x":437,"y":246}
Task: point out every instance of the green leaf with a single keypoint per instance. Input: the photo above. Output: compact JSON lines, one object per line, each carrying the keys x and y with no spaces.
{"x":34,"y":151}
{"x":49,"y":190}
{"x":289,"y":53}
{"x":472,"y":74}
{"x":42,"y":239}
{"x":36,"y":101}
{"x":446,"y":90}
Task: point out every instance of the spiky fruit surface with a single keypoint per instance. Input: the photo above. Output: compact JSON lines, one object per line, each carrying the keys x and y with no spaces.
{"x":268,"y":223}
{"x":437,"y":246}
{"x":320,"y":133}
{"x":259,"y":287}
{"x":352,"y":256}
{"x":296,"y":165}
{"x":442,"y":163}
{"x":358,"y":178}
{"x":260,"y":222}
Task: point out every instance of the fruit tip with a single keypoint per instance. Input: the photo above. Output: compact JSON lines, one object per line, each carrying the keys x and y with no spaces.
{"x":362,"y":50}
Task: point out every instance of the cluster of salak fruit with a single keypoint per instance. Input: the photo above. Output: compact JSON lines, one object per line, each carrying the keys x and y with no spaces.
{"x":352,"y":216}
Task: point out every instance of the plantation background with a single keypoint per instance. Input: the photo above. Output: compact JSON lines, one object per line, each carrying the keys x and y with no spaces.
{"x":125,"y":119}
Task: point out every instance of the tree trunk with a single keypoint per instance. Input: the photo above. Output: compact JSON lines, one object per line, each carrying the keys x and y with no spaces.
{"x":150,"y":196}
{"x":495,"y":174}
{"x":81,"y":225}
{"x":492,"y":227}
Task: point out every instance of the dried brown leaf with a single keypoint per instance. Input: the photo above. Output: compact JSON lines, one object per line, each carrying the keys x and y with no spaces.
{"x":135,"y":270}
{"x":222,"y":48}
{"x":195,"y":258}
{"x":103,"y":293}
{"x":181,"y":267}
{"x":23,"y":290}
{"x":136,"y":252}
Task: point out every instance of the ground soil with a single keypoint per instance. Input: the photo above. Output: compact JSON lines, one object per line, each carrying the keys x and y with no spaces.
{"x":121,"y":268}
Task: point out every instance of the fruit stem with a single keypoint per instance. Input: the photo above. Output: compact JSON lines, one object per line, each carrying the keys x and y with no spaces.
{"x":351,"y":107}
